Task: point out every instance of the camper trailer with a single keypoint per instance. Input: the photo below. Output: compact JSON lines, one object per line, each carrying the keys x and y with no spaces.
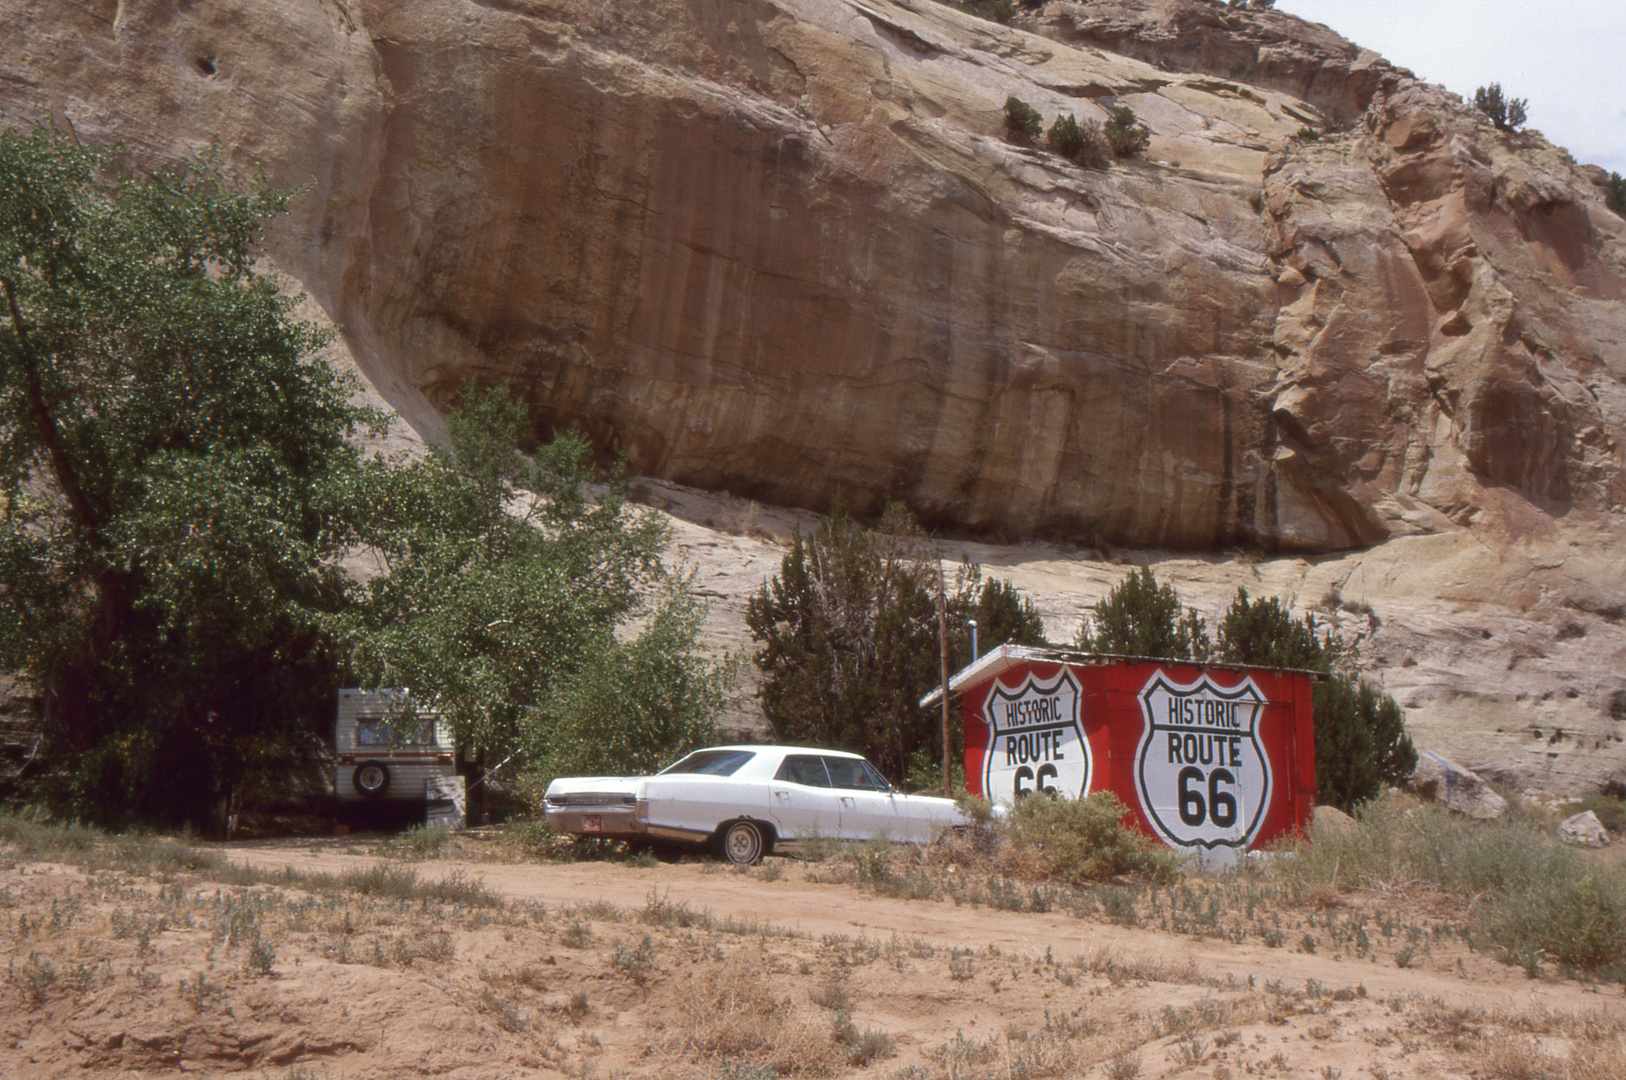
{"x":386,"y":751}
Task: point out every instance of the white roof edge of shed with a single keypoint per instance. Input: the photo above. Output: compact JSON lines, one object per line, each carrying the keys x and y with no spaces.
{"x":1002,"y":659}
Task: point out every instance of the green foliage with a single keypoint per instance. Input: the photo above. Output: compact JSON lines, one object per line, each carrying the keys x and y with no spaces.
{"x":849,"y":642}
{"x":1139,"y":617}
{"x":1083,"y":840}
{"x":1084,"y":143}
{"x":512,"y":599}
{"x":1507,"y":113}
{"x":1263,"y":632}
{"x":1126,"y":136}
{"x":1064,"y":137}
{"x":176,"y":480}
{"x":1532,"y":895}
{"x":1360,"y":742}
{"x":1615,"y":194}
{"x":1360,"y":735}
{"x":1023,"y":124}
{"x":179,"y":481}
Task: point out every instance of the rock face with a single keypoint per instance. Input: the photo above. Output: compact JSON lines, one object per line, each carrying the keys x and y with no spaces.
{"x":781,"y":247}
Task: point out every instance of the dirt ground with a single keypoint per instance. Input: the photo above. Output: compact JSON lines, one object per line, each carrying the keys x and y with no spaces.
{"x":480,"y":967}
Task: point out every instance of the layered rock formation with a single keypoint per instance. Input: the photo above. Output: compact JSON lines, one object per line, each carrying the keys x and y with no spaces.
{"x":781,"y":247}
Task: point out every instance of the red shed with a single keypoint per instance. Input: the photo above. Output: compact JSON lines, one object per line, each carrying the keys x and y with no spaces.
{"x":1208,"y":758}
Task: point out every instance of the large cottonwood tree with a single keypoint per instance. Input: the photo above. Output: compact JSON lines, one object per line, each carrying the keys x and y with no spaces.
{"x":180,"y":484}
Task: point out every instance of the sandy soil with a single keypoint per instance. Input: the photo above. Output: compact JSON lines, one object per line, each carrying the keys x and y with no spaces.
{"x":693,"y":969}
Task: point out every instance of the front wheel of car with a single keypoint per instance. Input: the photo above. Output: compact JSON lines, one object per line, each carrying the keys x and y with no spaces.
{"x":744,"y":843}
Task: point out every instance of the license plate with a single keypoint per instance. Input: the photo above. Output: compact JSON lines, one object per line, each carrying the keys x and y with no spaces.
{"x":590,"y":823}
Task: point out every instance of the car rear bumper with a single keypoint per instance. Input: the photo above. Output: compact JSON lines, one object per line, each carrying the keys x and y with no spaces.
{"x":617,"y":822}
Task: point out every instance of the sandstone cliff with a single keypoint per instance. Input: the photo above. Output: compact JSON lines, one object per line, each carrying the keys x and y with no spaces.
{"x":780,"y":247}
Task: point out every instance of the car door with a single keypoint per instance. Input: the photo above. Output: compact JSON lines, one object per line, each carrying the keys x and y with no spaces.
{"x":868,"y":807}
{"x":801,"y":800}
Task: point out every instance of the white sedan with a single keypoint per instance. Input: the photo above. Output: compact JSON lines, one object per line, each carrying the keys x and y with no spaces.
{"x":745,"y":799}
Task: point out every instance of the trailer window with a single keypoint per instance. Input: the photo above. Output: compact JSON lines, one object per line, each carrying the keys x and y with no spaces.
{"x":377,"y":731}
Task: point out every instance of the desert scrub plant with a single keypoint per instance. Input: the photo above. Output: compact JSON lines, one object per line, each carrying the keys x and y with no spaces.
{"x":1083,"y":840}
{"x":1614,"y":194}
{"x":732,"y":1013}
{"x":1023,"y":124}
{"x":1507,"y":113}
{"x":1083,"y":143}
{"x":862,"y":1047}
{"x":261,"y":958}
{"x":1533,"y":896}
{"x":635,"y":963}
{"x":1577,"y":919}
{"x":1126,"y":135}
{"x":418,"y":842}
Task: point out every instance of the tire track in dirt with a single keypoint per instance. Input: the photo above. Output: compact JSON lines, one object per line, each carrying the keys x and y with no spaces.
{"x":816,"y":909}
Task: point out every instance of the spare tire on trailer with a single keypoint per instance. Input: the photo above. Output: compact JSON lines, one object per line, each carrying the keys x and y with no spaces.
{"x":371,"y":779}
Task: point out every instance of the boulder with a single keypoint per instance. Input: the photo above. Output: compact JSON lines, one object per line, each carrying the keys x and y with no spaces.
{"x":1585,"y":829}
{"x":1456,"y":787}
{"x":1329,"y":820}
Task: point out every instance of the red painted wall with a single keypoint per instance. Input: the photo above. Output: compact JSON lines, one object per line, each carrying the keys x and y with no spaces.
{"x":1214,"y":759}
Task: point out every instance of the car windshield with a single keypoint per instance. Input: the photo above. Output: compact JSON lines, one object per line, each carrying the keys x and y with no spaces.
{"x":711,"y":762}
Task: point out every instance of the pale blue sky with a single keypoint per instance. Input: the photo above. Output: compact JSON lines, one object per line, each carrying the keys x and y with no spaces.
{"x":1568,"y":57}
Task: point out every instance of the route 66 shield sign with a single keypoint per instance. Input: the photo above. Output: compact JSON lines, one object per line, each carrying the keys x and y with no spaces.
{"x":1037,"y":740}
{"x":1201,"y":773}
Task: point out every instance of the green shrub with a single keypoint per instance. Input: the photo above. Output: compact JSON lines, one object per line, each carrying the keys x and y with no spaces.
{"x":1064,"y":137}
{"x":1086,"y":839}
{"x":1576,"y":919}
{"x":1508,"y":114}
{"x":848,"y":643}
{"x":1023,"y":124}
{"x":1139,"y":617}
{"x":1615,"y":194}
{"x":1083,"y":143}
{"x":1126,"y":136}
{"x":1096,"y":152}
{"x":1360,"y":734}
{"x":1533,"y":896}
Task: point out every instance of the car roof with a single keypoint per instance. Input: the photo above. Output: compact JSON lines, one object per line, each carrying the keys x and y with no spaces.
{"x":761,"y":748}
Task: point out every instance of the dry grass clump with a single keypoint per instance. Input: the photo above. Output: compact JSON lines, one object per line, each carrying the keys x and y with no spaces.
{"x":1536,"y":898}
{"x":732,"y":1014}
{"x":1515,"y":1056}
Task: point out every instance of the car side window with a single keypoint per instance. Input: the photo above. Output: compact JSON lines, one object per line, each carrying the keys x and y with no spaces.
{"x":877,"y":781}
{"x":848,"y":773}
{"x":803,"y":769}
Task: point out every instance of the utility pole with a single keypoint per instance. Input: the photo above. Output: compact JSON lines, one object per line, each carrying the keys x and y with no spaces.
{"x":942,"y":638}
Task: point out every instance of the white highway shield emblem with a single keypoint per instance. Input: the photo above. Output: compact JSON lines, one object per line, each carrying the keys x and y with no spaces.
{"x":1201,"y":773}
{"x":1036,"y":740}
